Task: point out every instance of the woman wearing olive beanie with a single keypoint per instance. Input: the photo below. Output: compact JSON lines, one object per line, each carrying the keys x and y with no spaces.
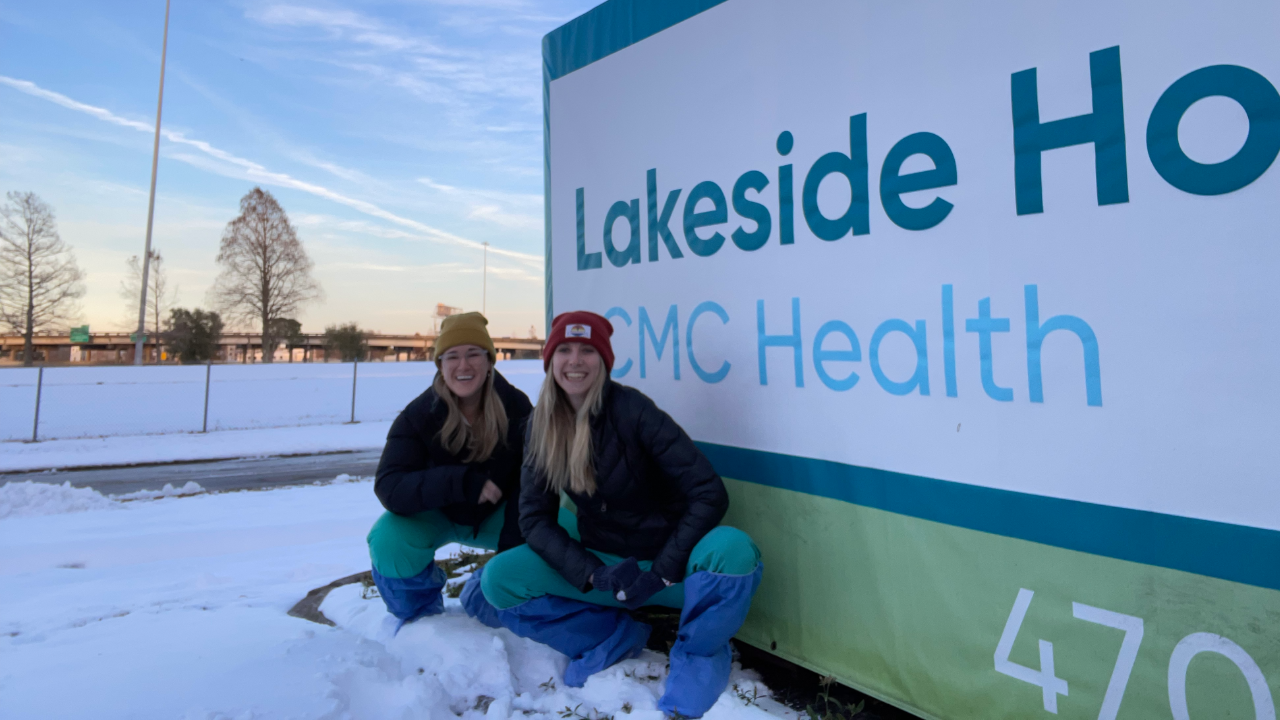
{"x":450,"y":471}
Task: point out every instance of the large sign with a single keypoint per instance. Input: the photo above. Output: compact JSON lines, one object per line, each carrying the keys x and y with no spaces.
{"x":975,"y":307}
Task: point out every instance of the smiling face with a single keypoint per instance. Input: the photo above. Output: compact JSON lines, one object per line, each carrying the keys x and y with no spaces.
{"x":465,"y":368}
{"x":576,"y":367}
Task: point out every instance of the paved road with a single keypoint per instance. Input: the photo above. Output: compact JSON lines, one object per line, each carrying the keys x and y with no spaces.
{"x":245,"y":474}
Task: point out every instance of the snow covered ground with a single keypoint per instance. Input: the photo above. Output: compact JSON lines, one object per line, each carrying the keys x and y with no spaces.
{"x":138,"y":449}
{"x":176,"y":608}
{"x":118,"y":441}
{"x":107,"y":401}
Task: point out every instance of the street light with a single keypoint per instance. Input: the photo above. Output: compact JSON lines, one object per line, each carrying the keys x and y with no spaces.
{"x":140,"y":340}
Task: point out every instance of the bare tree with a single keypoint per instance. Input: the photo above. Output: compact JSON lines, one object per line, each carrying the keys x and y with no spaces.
{"x":266,"y":274}
{"x":160,"y":296}
{"x":39,"y":279}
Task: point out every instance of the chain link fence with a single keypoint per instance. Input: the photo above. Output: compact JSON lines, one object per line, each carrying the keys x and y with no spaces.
{"x":77,"y":402}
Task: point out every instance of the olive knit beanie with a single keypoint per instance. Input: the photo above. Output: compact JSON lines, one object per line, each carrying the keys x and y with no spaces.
{"x":464,"y":329}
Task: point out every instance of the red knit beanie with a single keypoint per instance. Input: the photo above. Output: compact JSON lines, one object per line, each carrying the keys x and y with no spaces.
{"x":580,"y":326}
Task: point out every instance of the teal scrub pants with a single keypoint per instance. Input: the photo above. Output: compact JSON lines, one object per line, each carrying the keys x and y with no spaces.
{"x":402,"y":547}
{"x":520,"y":574}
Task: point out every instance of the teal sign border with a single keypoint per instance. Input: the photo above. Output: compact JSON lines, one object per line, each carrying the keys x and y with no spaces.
{"x":1237,"y":553}
{"x":610,"y":27}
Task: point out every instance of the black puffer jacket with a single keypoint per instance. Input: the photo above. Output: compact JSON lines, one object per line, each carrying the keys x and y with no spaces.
{"x":656,"y":494}
{"x":416,"y":473}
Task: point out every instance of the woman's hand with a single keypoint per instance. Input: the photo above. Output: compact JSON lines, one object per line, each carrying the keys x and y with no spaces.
{"x":612,"y":578}
{"x":639,"y":592}
{"x":627,"y":583}
{"x":489,"y":493}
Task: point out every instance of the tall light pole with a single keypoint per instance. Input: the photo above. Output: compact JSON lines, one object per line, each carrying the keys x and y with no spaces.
{"x":140,"y":341}
{"x":484,"y":291}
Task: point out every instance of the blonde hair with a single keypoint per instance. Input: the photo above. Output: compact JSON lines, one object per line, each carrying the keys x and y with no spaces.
{"x":560,"y":441}
{"x":481,"y":439}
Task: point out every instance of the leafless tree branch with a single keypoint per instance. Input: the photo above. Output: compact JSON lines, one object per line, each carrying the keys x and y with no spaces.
{"x":160,"y":296}
{"x":39,"y":280}
{"x":266,"y":274}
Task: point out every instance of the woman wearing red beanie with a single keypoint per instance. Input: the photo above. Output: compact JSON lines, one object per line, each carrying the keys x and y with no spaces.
{"x":646,"y":533}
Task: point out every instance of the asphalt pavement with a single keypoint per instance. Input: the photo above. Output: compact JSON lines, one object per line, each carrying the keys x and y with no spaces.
{"x":213,"y":476}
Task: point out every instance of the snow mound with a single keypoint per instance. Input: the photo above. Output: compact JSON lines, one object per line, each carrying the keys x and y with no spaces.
{"x":345,"y":478}
{"x":191,"y":488}
{"x":111,"y":603}
{"x":450,"y":664}
{"x":31,"y":499}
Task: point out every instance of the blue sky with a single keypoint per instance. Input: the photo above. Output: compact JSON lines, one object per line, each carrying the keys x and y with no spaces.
{"x":398,"y":135}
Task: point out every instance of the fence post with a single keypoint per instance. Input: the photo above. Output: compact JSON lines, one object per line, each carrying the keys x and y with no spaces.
{"x":355,"y":365}
{"x":204,"y":427}
{"x":35,"y":426}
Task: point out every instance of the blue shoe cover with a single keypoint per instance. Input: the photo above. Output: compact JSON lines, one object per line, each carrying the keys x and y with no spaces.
{"x":474,"y":602}
{"x":715,"y":606}
{"x":625,"y":642}
{"x":593,"y":636}
{"x":414,"y":597}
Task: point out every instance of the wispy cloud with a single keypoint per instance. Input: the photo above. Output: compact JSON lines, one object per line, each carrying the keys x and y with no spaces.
{"x":440,"y":269}
{"x":429,"y":69}
{"x":514,"y":128}
{"x":517,"y":211}
{"x":329,"y":226}
{"x":488,"y":4}
{"x":526,"y":200}
{"x":256,"y":172}
{"x":498,"y":216}
{"x":255,"y":127}
{"x":329,"y":167}
{"x":341,"y":23}
{"x":379,"y":267}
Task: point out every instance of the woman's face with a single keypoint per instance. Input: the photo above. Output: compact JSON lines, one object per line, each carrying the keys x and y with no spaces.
{"x":465,"y":368}
{"x":576,"y":366}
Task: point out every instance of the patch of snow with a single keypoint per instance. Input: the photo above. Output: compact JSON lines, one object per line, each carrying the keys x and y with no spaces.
{"x":345,"y":478}
{"x":82,"y":402}
{"x":134,"y":450}
{"x":273,"y":400}
{"x":468,"y":662}
{"x":191,"y":488}
{"x":33,"y":499}
{"x":177,"y":609}
{"x":128,"y":400}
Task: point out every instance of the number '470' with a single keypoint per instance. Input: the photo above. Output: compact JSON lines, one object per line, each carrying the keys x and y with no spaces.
{"x":1052,"y":686}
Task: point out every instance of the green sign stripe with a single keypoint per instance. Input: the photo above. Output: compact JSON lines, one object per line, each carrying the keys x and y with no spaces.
{"x":610,"y":27}
{"x":1220,"y":550}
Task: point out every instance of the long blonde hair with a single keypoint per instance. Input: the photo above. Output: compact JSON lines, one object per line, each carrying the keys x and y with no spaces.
{"x":560,"y":441}
{"x":481,"y":439}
